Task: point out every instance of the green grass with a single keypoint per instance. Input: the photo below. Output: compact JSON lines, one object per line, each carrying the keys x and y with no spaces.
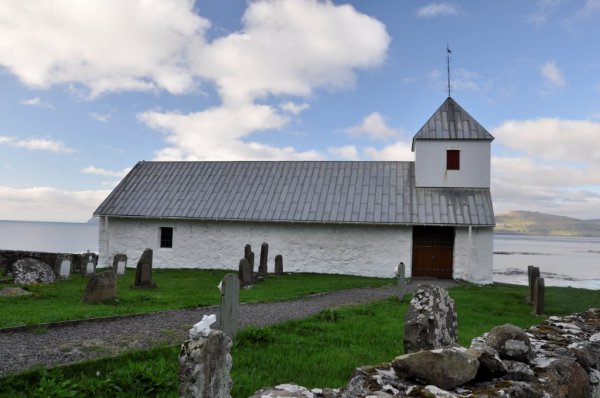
{"x":320,"y":351}
{"x":175,"y":289}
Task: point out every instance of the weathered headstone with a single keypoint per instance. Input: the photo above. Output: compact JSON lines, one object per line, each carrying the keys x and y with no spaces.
{"x":529,"y":297}
{"x":143,"y":273}
{"x":535,"y":274}
{"x":401,"y":282}
{"x":247,"y":250}
{"x":120,"y":263}
{"x":90,"y":267}
{"x":204,"y":366}
{"x":101,"y":287}
{"x":245,"y":273}
{"x":279,"y":264}
{"x":28,"y":271}
{"x":64,"y":267}
{"x":230,"y":305}
{"x":539,"y":297}
{"x":251,"y":261}
{"x":430,"y":321}
{"x":264,"y":256}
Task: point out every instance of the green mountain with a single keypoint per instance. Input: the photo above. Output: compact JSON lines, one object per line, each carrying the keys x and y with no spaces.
{"x":533,"y":223}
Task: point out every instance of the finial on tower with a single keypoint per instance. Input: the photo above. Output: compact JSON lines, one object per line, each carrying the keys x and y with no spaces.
{"x":448,"y":52}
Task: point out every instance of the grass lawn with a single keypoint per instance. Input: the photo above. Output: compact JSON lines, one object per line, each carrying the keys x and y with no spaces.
{"x":175,"y":289}
{"x":320,"y":351}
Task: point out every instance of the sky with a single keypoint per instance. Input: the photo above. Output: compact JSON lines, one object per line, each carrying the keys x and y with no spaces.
{"x":89,"y":88}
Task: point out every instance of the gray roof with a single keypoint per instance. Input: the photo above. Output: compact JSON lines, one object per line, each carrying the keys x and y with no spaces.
{"x":452,"y":122}
{"x":320,"y":192}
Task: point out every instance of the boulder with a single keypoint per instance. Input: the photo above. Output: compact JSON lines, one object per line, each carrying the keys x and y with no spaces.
{"x":430,"y":321}
{"x":28,"y":271}
{"x":490,"y":364}
{"x":284,"y":391}
{"x":565,"y":378}
{"x":446,"y":368}
{"x":429,"y":392}
{"x":511,"y":342}
{"x":518,"y":371}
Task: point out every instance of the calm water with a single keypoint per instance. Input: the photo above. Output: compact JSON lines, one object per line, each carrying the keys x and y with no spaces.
{"x":562,"y":261}
{"x":48,"y":236}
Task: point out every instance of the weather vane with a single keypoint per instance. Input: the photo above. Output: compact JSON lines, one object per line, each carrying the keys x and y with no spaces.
{"x":448,"y":52}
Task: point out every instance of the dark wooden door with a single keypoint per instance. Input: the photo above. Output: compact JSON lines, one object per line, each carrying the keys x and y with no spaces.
{"x":433,"y":248}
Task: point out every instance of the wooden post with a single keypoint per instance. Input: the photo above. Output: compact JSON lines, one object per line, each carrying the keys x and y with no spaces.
{"x":230,"y":305}
{"x":535,"y":274}
{"x":401,"y":282}
{"x":539,"y":298}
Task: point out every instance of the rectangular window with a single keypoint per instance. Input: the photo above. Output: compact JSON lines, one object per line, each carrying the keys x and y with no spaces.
{"x":166,"y":237}
{"x":452,"y":159}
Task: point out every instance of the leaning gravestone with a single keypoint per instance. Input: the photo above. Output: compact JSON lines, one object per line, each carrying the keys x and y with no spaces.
{"x":430,"y":320}
{"x":143,"y":273}
{"x":101,"y":287}
{"x":28,"y":271}
{"x":279,"y":264}
{"x":120,"y":263}
{"x":245,"y":273}
{"x":230,"y":305}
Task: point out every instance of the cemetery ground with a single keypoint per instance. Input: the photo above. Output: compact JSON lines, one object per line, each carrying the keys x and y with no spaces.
{"x":177,"y":289}
{"x":319,"y":351}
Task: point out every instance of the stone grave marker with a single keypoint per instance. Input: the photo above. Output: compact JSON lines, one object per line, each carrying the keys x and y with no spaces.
{"x":90,"y":264}
{"x":120,"y":263}
{"x":101,"y":287}
{"x":533,"y":276}
{"x":264,"y":256}
{"x":247,"y":250}
{"x":143,"y":273}
{"x":539,"y":297}
{"x":251,"y":261}
{"x":401,"y":282}
{"x":279,"y":264}
{"x":64,"y":269}
{"x":245,"y":273}
{"x":230,"y":305}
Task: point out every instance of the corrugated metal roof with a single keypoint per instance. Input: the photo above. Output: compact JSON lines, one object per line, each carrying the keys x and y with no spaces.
{"x":321,"y":192}
{"x":452,"y":122}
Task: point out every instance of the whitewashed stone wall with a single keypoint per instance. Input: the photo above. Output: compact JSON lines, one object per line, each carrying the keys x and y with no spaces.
{"x":341,"y":249}
{"x":473,"y":254}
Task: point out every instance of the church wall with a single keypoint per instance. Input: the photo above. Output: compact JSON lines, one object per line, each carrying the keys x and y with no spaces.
{"x":473,"y":254}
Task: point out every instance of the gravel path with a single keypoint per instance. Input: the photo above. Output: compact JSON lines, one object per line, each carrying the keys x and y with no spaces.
{"x":88,"y":340}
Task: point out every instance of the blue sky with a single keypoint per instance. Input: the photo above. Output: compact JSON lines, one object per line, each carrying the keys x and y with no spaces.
{"x":90,"y":88}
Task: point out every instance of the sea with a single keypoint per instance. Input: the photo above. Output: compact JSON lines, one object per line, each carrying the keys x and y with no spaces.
{"x":562,"y":261}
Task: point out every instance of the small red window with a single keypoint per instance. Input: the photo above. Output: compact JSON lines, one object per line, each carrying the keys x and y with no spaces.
{"x":452,"y":159}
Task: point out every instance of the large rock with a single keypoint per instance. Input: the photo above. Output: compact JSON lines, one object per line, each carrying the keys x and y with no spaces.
{"x":446,"y":368}
{"x":490,"y":364}
{"x":430,"y":321}
{"x":565,"y":378}
{"x":28,"y":271}
{"x":511,"y":342}
{"x":204,"y":366}
{"x":284,"y":391}
{"x":101,"y":287}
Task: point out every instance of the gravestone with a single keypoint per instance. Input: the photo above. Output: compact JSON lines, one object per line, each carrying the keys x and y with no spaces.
{"x":430,"y":321}
{"x":535,"y":274}
{"x":264,"y":255}
{"x":401,"y":282}
{"x":251,"y":261}
{"x":143,"y":273}
{"x":279,"y":264}
{"x":64,"y":266}
{"x":205,"y":365}
{"x":539,"y":297}
{"x":230,"y":305}
{"x":120,"y":263}
{"x":245,"y":273}
{"x":101,"y":287}
{"x":90,"y":266}
{"x":247,"y":250}
{"x":28,"y":271}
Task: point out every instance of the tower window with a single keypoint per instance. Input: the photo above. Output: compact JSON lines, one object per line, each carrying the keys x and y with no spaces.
{"x":166,"y":237}
{"x":452,"y":159}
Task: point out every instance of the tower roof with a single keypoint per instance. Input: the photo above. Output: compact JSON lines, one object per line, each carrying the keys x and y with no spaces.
{"x":452,"y":122}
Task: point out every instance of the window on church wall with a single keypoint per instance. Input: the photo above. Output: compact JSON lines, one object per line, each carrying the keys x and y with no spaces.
{"x":452,"y":159}
{"x":166,"y":237}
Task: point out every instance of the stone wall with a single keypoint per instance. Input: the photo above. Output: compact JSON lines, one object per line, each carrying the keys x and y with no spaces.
{"x":8,"y":258}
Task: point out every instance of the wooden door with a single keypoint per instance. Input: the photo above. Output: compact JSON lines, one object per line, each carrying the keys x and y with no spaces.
{"x":433,"y":249}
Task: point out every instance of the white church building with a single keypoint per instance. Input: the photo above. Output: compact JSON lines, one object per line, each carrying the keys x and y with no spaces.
{"x":349,"y":217}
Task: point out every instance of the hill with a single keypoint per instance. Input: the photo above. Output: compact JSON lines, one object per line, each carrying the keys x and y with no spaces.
{"x":533,"y":223}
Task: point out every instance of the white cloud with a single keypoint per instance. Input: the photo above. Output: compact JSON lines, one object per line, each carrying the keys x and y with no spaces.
{"x":374,"y":127}
{"x":556,"y":168}
{"x":437,"y":10}
{"x":37,"y":144}
{"x":399,"y":151}
{"x":36,"y":101}
{"x":347,"y":152}
{"x":104,"y":118}
{"x":543,"y":9}
{"x":104,"y":45}
{"x":293,"y":108}
{"x":48,"y":204}
{"x":552,"y":75}
{"x":103,"y":172}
